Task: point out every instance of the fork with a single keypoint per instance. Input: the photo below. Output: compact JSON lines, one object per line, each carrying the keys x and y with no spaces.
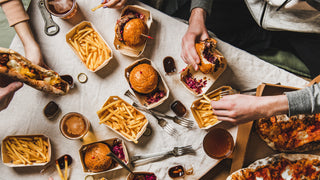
{"x":163,"y":123}
{"x":177,"y":151}
{"x":224,"y":93}
{"x":179,"y":120}
{"x":131,"y":96}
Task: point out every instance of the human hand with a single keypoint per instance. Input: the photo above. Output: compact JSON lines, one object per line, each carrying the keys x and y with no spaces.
{"x":31,"y":47}
{"x":116,"y":4}
{"x":7,"y":90}
{"x":33,"y":53}
{"x":196,"y":31}
{"x":239,"y":109}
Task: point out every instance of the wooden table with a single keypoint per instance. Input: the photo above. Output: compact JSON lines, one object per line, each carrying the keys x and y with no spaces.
{"x":24,"y":115}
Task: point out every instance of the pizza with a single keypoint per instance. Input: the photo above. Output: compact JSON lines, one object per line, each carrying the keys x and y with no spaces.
{"x":17,"y":67}
{"x":295,"y":134}
{"x":281,"y":167}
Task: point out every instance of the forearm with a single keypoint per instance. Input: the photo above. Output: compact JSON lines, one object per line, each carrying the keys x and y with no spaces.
{"x":25,"y":34}
{"x":203,"y":4}
{"x":197,"y":17}
{"x":304,"y":101}
{"x":273,"y":105}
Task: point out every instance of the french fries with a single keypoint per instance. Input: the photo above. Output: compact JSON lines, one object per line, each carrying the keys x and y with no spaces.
{"x":202,"y":110}
{"x":122,"y":117}
{"x":26,"y":150}
{"x":90,"y":47}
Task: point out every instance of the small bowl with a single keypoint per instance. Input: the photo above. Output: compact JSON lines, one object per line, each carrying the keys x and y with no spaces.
{"x":110,"y":143}
{"x":162,"y":86}
{"x":213,"y":95}
{"x":131,"y":176}
{"x":177,"y":172}
{"x":75,"y":126}
{"x":7,"y":160}
{"x":138,"y":50}
{"x":73,"y":32}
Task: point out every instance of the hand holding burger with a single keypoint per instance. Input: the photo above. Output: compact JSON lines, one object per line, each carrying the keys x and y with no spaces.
{"x":196,"y":31}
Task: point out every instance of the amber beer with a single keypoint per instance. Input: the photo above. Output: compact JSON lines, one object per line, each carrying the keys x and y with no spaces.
{"x":74,"y":125}
{"x":218,"y":143}
{"x":64,"y":9}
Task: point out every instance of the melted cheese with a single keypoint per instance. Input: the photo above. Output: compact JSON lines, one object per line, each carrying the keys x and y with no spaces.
{"x":14,"y":65}
{"x":287,"y":174}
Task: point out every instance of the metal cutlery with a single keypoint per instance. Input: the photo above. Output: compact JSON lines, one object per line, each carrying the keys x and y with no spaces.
{"x":179,"y":120}
{"x":177,"y":151}
{"x":131,"y":96}
{"x":115,"y":157}
{"x":162,"y":123}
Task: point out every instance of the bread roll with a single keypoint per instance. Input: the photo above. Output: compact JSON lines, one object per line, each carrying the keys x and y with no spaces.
{"x":96,"y":159}
{"x":132,"y":32}
{"x":143,"y":78}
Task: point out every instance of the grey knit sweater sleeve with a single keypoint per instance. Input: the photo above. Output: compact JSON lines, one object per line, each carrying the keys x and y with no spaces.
{"x":304,"y":101}
{"x":204,"y":4}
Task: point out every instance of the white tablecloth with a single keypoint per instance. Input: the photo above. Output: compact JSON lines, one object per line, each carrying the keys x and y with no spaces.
{"x":24,"y":114}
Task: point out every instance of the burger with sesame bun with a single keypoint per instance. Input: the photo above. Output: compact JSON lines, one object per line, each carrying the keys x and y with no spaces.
{"x":130,"y":29}
{"x":143,"y":78}
{"x":96,"y":159}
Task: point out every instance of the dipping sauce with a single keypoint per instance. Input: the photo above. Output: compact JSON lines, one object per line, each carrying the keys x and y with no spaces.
{"x":141,"y":176}
{"x":178,"y":108}
{"x":61,"y":161}
{"x":68,"y":79}
{"x":176,"y":171}
{"x":74,"y":125}
{"x":51,"y":110}
{"x":169,"y":65}
{"x":218,"y":143}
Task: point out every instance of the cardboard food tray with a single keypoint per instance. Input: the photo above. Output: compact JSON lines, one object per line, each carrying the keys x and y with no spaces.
{"x":211,"y":95}
{"x":161,"y":85}
{"x":73,"y":31}
{"x":250,"y":146}
{"x":210,"y":77}
{"x":138,"y":50}
{"x":143,"y":129}
{"x":6,"y":159}
{"x":110,"y":143}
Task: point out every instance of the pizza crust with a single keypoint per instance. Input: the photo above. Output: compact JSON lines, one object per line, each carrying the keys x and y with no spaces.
{"x":38,"y":84}
{"x":239,"y":174}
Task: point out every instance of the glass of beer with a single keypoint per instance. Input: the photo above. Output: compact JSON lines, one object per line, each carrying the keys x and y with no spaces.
{"x":64,"y":9}
{"x":218,"y":143}
{"x":74,"y":125}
